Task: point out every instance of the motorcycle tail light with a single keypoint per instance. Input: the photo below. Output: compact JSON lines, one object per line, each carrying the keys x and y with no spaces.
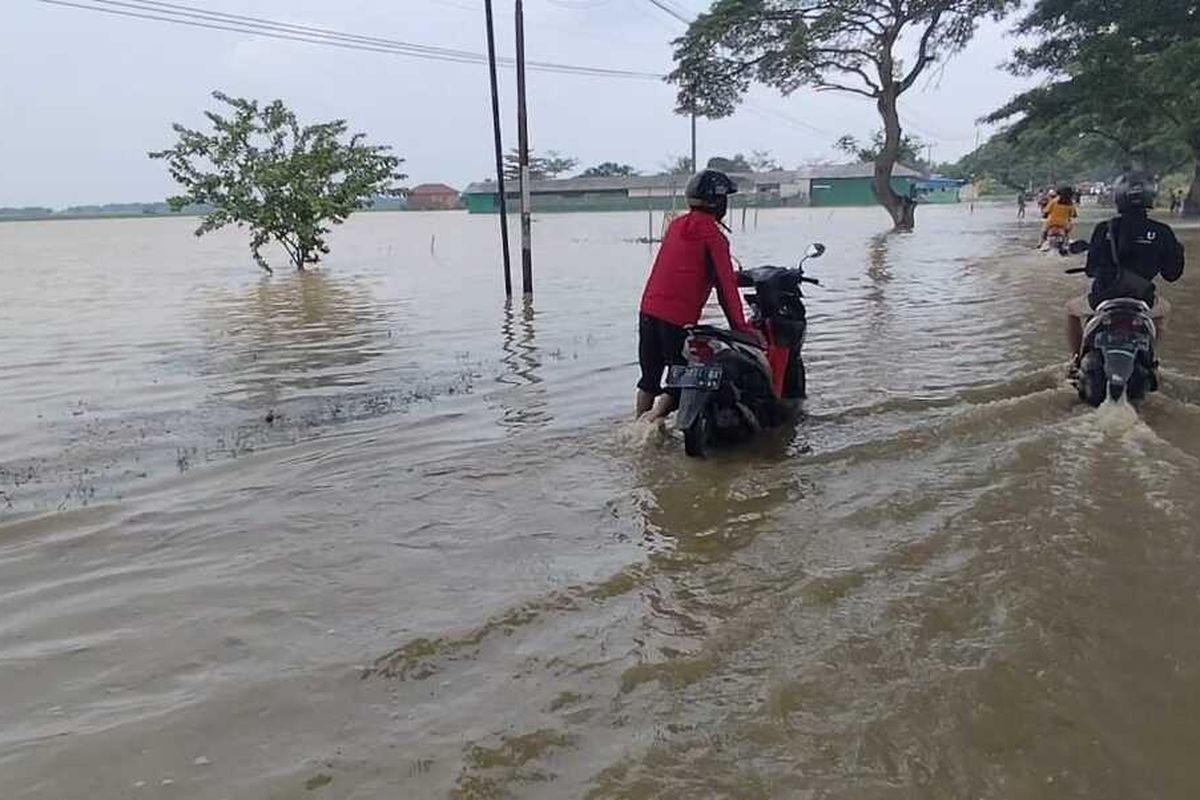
{"x":703,"y":350}
{"x":1122,"y":324}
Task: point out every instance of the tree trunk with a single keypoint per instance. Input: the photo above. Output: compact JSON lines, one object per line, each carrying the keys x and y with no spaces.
{"x":1191,"y":203}
{"x":901,"y":209}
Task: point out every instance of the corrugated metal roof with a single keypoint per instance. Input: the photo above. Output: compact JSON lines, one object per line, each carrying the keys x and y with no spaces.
{"x":615,"y":183}
{"x":432,"y":188}
{"x":745,"y":180}
{"x":860,"y":170}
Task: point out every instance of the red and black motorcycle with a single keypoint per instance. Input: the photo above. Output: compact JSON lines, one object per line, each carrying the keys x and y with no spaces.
{"x":735,"y":385}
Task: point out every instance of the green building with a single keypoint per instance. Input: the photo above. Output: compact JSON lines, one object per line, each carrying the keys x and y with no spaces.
{"x":822,"y":185}
{"x":854,"y":184}
{"x":634,"y":193}
{"x":939,"y":191}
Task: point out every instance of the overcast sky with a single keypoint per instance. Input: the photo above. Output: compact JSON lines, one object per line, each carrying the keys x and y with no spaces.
{"x":85,"y":95}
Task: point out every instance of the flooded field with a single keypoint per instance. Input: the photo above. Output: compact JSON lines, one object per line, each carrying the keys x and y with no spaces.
{"x":369,"y":533}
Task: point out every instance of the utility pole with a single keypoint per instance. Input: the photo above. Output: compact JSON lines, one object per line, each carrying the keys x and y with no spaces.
{"x":523,"y":152}
{"x":491,"y":44}
{"x":694,"y":169}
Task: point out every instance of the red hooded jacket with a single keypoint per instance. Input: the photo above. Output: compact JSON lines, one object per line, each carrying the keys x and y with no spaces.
{"x":694,"y":258}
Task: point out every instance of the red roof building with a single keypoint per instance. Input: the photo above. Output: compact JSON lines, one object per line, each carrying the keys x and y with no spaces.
{"x":432,"y":197}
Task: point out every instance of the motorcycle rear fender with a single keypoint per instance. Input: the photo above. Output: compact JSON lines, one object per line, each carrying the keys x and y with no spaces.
{"x":1120,"y":363}
{"x":691,"y":403}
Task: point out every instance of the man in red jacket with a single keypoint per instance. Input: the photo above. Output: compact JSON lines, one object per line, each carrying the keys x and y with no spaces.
{"x":694,"y":259}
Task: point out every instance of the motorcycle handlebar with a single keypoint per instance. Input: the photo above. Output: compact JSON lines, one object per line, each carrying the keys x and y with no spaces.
{"x":1074,"y":271}
{"x":813,"y":281}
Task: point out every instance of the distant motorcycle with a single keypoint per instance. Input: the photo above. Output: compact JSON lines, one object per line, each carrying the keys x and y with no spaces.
{"x":734,"y":384}
{"x":1118,"y":357}
{"x":1056,"y":241}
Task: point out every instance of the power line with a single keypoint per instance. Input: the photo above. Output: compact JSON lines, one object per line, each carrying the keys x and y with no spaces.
{"x":674,"y":12}
{"x":215,"y":20}
{"x":788,"y":118}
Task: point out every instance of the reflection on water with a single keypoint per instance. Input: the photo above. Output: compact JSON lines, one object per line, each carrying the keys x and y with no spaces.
{"x":523,"y":403}
{"x":368,"y":532}
{"x":298,"y":331}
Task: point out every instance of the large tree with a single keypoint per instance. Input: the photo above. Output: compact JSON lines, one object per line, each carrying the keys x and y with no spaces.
{"x":1124,"y":71}
{"x":261,"y":169}
{"x":875,"y":49}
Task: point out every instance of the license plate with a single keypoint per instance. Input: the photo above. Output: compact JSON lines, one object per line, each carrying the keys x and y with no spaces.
{"x":681,"y":377}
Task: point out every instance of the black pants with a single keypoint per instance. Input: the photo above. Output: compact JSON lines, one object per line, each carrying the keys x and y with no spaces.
{"x":660,"y":344}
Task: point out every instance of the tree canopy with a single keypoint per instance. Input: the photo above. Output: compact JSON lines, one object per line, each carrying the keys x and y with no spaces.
{"x":260,"y":168}
{"x":1124,"y":72}
{"x":541,"y":168}
{"x":909,"y":152}
{"x":677,"y":165}
{"x":608,"y":169}
{"x":869,"y":48}
{"x":737,"y":163}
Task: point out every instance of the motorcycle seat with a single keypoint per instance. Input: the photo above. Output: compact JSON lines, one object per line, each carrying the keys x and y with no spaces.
{"x":1127,"y":304}
{"x":726,"y":334}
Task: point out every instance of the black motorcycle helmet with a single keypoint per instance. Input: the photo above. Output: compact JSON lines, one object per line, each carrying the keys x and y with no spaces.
{"x":1134,"y":190}
{"x":1066,"y":194}
{"x":709,"y":190}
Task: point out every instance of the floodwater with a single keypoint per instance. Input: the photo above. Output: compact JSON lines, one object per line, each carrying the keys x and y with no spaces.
{"x":368,"y":533}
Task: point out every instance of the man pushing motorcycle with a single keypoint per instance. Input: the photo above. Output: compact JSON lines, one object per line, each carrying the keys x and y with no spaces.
{"x":693,"y":260}
{"x":1125,"y":255}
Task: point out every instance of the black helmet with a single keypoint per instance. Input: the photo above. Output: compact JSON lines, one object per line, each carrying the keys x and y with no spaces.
{"x":1066,"y":194}
{"x":708,"y":190}
{"x":1134,"y":190}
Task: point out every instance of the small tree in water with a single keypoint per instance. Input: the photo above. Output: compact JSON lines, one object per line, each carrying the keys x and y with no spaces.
{"x":261,"y":169}
{"x":873,"y":48}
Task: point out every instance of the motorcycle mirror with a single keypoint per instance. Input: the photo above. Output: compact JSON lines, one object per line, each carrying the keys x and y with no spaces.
{"x":1078,"y":246}
{"x":815,"y":250}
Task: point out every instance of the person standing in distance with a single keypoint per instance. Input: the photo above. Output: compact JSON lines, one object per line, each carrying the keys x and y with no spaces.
{"x":693,"y":260}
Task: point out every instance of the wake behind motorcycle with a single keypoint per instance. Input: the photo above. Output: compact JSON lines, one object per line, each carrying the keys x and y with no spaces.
{"x":1118,"y":357}
{"x":734,"y":384}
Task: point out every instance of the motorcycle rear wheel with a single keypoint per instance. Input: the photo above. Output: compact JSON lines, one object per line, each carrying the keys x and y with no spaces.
{"x":1093,"y":388}
{"x":795,"y":381}
{"x":697,"y":437}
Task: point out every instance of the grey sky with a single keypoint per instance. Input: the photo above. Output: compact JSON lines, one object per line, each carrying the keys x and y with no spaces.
{"x":85,"y":95}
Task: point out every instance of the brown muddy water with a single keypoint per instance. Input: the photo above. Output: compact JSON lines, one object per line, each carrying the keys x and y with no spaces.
{"x":366,"y":533}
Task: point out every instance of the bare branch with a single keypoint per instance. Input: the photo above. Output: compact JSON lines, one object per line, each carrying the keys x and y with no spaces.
{"x":924,"y":57}
{"x":831,"y":86}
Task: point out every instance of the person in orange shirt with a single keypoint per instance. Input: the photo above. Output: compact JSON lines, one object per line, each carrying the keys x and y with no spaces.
{"x":1060,"y":212}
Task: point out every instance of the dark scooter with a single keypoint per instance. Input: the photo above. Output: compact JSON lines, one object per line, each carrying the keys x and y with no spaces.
{"x":732,"y":386}
{"x":1118,"y":357}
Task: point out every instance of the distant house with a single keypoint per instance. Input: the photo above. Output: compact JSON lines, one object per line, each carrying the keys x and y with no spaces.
{"x":432,"y":197}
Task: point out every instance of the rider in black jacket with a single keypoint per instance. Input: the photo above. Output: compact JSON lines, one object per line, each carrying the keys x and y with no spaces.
{"x":1125,"y":256}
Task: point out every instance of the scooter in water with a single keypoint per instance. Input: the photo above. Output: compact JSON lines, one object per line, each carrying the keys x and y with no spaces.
{"x":1118,"y":357}
{"x":734,"y":384}
{"x":1056,"y":241}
